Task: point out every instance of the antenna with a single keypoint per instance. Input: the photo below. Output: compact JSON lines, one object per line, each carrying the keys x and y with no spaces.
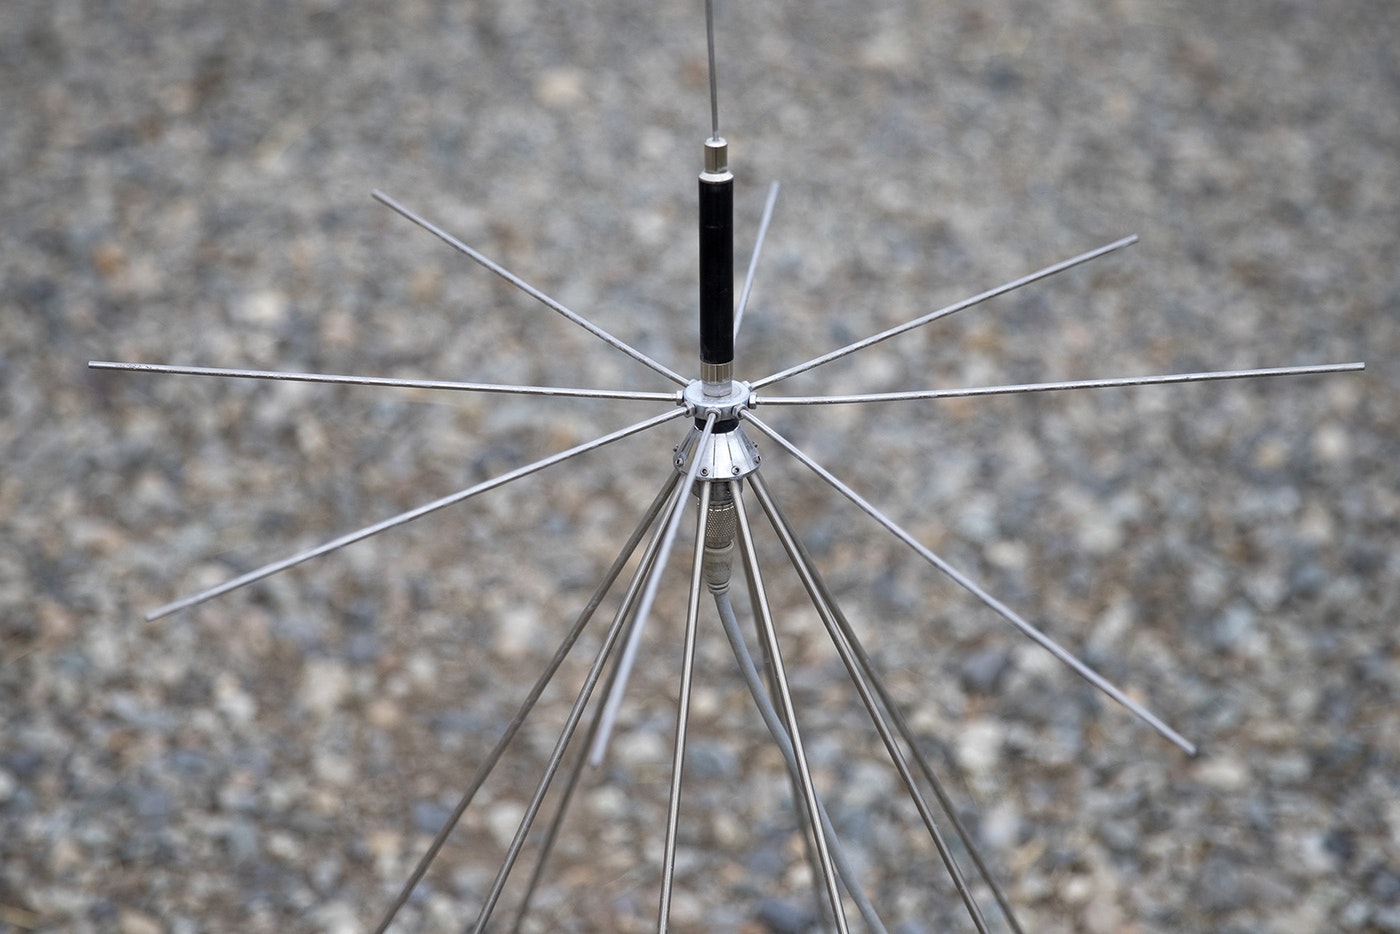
{"x":714,"y":474}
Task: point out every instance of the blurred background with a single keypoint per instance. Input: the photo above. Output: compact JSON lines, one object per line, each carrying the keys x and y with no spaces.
{"x":188,"y":182}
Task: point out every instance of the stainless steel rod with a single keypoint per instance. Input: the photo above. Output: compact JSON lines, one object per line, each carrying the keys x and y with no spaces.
{"x":1052,"y":387}
{"x":822,"y":823}
{"x":785,"y":705}
{"x":528,"y":705}
{"x":268,"y":570}
{"x":806,"y":821}
{"x":620,"y":395}
{"x":757,"y":251}
{"x":692,"y":626}
{"x":590,"y":681}
{"x":894,"y":714}
{"x":853,"y":671}
{"x":714,"y":83}
{"x":634,"y":638}
{"x":580,"y":760}
{"x":1050,"y":645}
{"x":945,"y":312}
{"x":528,"y":289}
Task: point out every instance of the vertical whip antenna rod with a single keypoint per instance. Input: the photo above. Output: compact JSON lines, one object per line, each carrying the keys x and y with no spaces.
{"x":714,"y":87}
{"x":716,"y":247}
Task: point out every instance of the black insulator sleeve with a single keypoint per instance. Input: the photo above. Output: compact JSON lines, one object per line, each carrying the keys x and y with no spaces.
{"x":717,"y":270}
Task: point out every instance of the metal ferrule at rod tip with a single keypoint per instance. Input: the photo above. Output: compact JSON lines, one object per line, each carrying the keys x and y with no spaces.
{"x":716,"y":159}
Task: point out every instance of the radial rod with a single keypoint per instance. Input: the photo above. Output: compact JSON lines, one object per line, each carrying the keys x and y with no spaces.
{"x":1051,"y":387}
{"x":634,"y":638}
{"x":1050,"y":645}
{"x":808,"y":825}
{"x":436,"y":384}
{"x":528,"y":289}
{"x":576,"y":770}
{"x":785,"y":705}
{"x":872,"y":707}
{"x":867,"y":666}
{"x":945,"y":312}
{"x":269,"y":569}
{"x":753,"y":259}
{"x":692,"y":626}
{"x":620,"y":618}
{"x":528,"y":705}
{"x":749,"y":671}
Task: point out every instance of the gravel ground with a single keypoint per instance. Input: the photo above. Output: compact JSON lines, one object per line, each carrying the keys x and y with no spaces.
{"x":187,"y":182}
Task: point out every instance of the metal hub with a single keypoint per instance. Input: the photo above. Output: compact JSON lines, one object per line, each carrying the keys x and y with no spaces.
{"x":726,"y":406}
{"x":728,"y":455}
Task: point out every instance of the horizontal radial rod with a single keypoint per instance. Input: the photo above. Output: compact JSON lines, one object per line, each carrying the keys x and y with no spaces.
{"x":284,"y":376}
{"x":1011,"y":616}
{"x":528,"y":289}
{"x":945,"y":312}
{"x":403,"y":517}
{"x":1052,"y":387}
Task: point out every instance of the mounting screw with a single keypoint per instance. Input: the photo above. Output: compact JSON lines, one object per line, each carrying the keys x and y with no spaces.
{"x":735,"y":470}
{"x":704,"y":471}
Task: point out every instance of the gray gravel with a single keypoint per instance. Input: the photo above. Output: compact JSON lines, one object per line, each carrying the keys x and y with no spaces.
{"x":187,"y":182}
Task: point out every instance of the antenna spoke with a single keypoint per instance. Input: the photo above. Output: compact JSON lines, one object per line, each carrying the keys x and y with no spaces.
{"x":749,"y":671}
{"x":1050,"y":645}
{"x":528,"y":705}
{"x":634,"y":638}
{"x":528,"y":289}
{"x":825,"y":601}
{"x":843,"y":648}
{"x":764,"y":615}
{"x":454,"y":386}
{"x":1052,"y":387}
{"x":945,"y":312}
{"x":576,"y":771}
{"x":757,"y":251}
{"x":282,"y":565}
{"x":900,"y":724}
{"x":566,"y":734}
{"x":692,"y":627}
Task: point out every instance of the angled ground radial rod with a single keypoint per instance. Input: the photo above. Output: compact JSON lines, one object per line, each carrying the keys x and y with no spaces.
{"x":526,"y":706}
{"x":764,"y":615}
{"x":692,"y":620}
